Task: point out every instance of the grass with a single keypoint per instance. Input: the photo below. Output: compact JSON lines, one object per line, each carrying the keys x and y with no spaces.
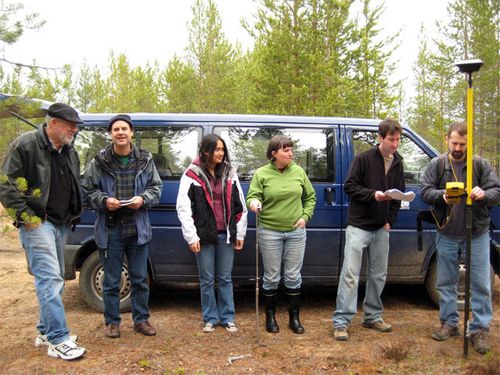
{"x":396,"y":351}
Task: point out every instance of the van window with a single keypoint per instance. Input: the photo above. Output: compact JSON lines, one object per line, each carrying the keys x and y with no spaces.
{"x":313,"y":149}
{"x":173,"y":148}
{"x":415,"y":160}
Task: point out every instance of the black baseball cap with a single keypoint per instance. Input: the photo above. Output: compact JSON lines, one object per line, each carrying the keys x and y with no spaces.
{"x":64,"y":112}
{"x":120,"y":117}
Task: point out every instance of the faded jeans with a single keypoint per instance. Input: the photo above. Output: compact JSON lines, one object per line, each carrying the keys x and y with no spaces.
{"x":449,"y":251}
{"x":112,"y":260}
{"x":277,"y":247}
{"x":376,"y":243}
{"x":216,"y":261}
{"x":44,"y":247}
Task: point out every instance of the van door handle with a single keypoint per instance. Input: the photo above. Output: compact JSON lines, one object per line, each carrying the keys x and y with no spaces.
{"x":329,"y":196}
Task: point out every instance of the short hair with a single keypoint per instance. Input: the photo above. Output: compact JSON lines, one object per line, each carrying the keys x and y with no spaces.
{"x":389,"y":126}
{"x":277,"y":143}
{"x":459,"y":127}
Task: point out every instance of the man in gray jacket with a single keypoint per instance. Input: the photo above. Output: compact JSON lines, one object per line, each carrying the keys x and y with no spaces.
{"x":42,"y":193}
{"x":120,"y":183}
{"x":450,"y":237}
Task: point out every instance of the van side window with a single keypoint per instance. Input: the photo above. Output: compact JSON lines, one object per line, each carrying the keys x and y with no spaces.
{"x":415,"y":160}
{"x":173,"y":148}
{"x":313,"y":149}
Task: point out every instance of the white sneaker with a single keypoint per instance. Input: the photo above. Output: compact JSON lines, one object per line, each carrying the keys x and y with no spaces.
{"x":41,"y":340}
{"x":66,"y":350}
{"x":208,"y":327}
{"x":231,"y":327}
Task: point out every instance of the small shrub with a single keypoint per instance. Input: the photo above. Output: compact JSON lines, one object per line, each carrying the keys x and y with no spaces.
{"x":144,"y":363}
{"x":396,"y":351}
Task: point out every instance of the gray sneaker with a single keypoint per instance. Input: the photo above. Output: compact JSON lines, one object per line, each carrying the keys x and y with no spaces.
{"x":445,"y":332}
{"x":480,"y":341}
{"x":340,"y":333}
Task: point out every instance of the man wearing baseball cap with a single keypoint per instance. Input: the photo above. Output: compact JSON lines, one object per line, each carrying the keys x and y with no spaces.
{"x":120,"y":184}
{"x":44,"y":210}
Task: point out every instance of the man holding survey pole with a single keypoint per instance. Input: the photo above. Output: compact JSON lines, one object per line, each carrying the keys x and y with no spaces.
{"x":372,"y":213}
{"x":444,"y":174}
{"x":121,"y":183}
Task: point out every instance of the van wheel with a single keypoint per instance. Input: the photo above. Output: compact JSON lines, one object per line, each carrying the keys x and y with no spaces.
{"x":91,"y":284}
{"x":430,"y":284}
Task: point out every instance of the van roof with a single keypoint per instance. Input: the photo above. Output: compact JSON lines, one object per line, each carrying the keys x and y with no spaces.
{"x":231,"y":118}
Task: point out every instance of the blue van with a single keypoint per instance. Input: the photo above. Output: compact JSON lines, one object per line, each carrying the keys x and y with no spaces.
{"x":323,"y":146}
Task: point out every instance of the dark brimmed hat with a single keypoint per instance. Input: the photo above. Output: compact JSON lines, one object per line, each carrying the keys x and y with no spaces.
{"x":64,"y":112}
{"x":121,"y":117}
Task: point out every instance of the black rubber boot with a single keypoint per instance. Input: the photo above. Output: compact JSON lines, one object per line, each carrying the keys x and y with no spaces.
{"x":269,"y":297}
{"x":293,"y":297}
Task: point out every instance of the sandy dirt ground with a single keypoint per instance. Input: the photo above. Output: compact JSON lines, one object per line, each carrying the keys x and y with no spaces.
{"x":181,"y":348}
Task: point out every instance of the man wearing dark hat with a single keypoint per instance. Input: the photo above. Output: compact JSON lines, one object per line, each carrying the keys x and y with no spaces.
{"x":42,"y":193}
{"x":121,"y":183}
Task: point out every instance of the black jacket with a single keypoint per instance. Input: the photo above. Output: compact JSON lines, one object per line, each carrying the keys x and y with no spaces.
{"x":434,"y":183}
{"x":29,"y":158}
{"x":366,"y":176}
{"x":195,"y":207}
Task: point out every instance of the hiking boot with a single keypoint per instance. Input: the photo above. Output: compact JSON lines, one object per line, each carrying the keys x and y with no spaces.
{"x":66,"y":350}
{"x":41,"y":340}
{"x":208,"y":327}
{"x":445,"y":332}
{"x":145,"y":328}
{"x":112,"y":331}
{"x":379,"y":325}
{"x":340,"y":333}
{"x":480,"y":341}
{"x":231,"y":327}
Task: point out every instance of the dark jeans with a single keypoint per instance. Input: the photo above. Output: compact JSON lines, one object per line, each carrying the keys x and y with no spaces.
{"x":112,"y":260}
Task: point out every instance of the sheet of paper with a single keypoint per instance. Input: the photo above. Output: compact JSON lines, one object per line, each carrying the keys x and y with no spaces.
{"x":126,"y":202}
{"x":399,"y":195}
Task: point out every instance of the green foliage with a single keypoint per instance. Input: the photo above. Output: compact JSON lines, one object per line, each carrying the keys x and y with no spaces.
{"x":472,"y":32}
{"x":144,"y":363}
{"x":12,"y":25}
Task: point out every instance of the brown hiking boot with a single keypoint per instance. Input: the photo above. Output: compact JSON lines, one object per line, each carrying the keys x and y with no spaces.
{"x":445,"y":332}
{"x":112,"y":331}
{"x":145,"y":328}
{"x":379,"y":325}
{"x":480,"y":341}
{"x":340,"y":333}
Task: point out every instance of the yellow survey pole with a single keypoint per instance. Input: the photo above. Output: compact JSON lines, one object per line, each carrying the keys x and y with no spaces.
{"x":468,"y":67}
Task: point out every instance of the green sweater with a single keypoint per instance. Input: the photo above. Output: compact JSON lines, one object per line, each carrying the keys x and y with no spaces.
{"x":285,"y":196}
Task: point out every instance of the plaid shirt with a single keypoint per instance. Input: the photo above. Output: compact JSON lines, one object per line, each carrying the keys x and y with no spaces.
{"x":125,"y":189}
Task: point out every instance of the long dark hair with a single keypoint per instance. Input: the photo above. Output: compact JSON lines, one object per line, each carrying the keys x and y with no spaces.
{"x":207,"y":146}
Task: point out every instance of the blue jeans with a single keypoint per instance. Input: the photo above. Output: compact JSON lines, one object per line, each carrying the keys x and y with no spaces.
{"x":377,"y":244}
{"x":45,"y":252}
{"x":216,"y":260}
{"x":275,"y":247}
{"x":112,"y":261}
{"x":449,"y":252}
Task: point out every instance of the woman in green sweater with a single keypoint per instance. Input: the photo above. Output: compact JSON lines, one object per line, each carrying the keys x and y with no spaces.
{"x":283,"y":196}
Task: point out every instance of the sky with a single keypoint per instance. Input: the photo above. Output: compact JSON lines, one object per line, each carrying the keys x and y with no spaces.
{"x":155,"y":30}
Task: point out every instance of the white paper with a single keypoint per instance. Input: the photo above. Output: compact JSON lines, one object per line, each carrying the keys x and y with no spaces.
{"x":127,"y":202}
{"x":399,"y":195}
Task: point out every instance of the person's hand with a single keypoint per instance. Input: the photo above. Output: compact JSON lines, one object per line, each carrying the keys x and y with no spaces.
{"x":387,"y":227}
{"x":112,"y":204}
{"x":138,"y":202}
{"x":31,"y":226}
{"x":195,"y":247}
{"x":477,"y":194}
{"x":301,"y":223}
{"x":380,"y":196}
{"x":255,"y":206}
{"x":238,"y":245}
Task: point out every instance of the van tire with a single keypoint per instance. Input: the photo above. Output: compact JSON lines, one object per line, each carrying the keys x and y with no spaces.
{"x":91,"y":280}
{"x":430,"y":284}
